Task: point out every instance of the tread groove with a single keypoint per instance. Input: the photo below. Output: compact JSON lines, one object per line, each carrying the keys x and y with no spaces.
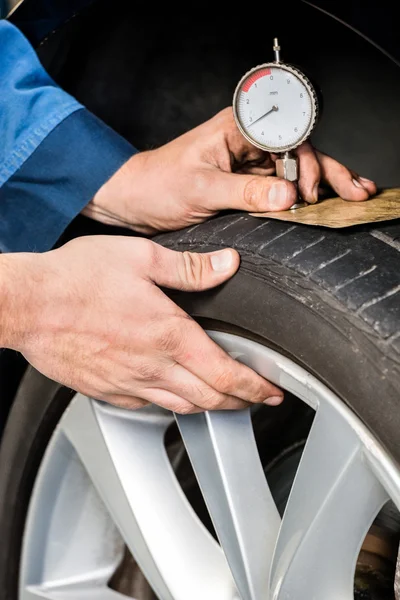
{"x":230,"y":224}
{"x":307,"y":247}
{"x":386,"y":239}
{"x":245,"y":235}
{"x":356,"y":278}
{"x":277,"y":237}
{"x":378,"y":299}
{"x":330,"y":262}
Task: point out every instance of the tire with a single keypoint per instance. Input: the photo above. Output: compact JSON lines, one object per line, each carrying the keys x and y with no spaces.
{"x":36,"y":410}
{"x":328,"y":300}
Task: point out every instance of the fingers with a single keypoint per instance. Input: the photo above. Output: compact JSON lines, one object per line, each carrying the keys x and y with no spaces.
{"x":195,"y":391}
{"x":180,"y":405}
{"x":367,"y":184}
{"x":192,"y":348}
{"x":346,"y":183}
{"x":256,"y":170}
{"x":240,"y":148}
{"x":123,"y":401}
{"x":160,"y":397}
{"x":191,"y":271}
{"x":315,"y":166}
{"x":168,"y":400}
{"x":252,"y":193}
{"x":310,"y":173}
{"x":171,"y":401}
{"x":174,"y":388}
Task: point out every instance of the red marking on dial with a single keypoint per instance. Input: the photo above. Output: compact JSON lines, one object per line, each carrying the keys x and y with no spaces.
{"x":254,"y":77}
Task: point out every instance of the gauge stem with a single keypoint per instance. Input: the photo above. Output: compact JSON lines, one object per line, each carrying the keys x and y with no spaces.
{"x":277,"y":50}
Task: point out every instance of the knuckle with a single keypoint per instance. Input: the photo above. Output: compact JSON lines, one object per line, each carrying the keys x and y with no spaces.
{"x":210,"y":399}
{"x":126,"y":402}
{"x":193,"y":268}
{"x":260,"y":390}
{"x":184,"y":409}
{"x":170,"y":339}
{"x":149,"y":372}
{"x":224,"y":381}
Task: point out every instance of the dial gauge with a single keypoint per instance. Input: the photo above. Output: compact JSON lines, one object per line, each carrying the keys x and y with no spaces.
{"x":275,"y":107}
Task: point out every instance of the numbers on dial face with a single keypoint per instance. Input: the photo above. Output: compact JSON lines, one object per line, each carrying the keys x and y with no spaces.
{"x":274,"y":107}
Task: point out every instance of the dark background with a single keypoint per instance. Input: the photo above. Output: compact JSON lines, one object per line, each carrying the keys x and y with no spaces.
{"x":373,"y":18}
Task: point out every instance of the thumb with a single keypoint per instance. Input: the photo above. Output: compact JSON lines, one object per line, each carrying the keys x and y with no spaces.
{"x":252,"y":193}
{"x":193,"y":271}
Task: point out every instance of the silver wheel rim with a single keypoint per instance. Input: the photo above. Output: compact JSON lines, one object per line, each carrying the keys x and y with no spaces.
{"x":106,"y":481}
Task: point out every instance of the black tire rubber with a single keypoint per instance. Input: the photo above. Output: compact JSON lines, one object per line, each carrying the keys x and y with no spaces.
{"x":38,"y":407}
{"x":328,"y":300}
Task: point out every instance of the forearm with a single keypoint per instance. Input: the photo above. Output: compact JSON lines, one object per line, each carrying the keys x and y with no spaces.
{"x":7,"y":323}
{"x":19,"y":277}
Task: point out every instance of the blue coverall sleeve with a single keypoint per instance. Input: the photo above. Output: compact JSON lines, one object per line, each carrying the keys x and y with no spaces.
{"x":54,"y":154}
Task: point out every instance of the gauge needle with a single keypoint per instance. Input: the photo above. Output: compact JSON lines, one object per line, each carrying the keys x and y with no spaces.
{"x":273,"y":109}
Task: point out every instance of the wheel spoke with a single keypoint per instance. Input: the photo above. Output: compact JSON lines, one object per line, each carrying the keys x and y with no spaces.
{"x":125,"y":457}
{"x":106,"y":465}
{"x":34,"y":594}
{"x":223,"y":452}
{"x":333,"y":501}
{"x":94,"y":593}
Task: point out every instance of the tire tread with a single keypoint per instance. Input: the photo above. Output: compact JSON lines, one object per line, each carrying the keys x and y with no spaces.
{"x":358,"y":268}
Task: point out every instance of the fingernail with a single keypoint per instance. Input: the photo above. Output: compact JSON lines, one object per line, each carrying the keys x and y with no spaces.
{"x":315,"y":192}
{"x":357,"y":183}
{"x":222,"y":261}
{"x":277,"y":197}
{"x":273,"y":400}
{"x":365,"y":180}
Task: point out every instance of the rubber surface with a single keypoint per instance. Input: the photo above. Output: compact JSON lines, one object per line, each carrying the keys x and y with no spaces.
{"x":35,"y":413}
{"x":329,"y":300}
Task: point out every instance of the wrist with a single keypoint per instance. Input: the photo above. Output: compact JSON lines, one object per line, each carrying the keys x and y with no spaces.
{"x":115,"y":202}
{"x":18,"y":275}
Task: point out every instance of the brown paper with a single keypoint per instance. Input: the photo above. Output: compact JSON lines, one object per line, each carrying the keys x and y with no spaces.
{"x":335,"y":212}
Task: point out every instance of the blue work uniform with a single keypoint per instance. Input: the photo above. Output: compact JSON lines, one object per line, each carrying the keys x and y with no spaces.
{"x":54,"y":153}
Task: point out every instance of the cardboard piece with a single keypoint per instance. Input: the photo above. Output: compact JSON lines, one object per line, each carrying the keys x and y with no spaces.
{"x":335,"y":212}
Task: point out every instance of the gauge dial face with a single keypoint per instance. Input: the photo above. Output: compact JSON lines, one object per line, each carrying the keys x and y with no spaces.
{"x":275,"y":107}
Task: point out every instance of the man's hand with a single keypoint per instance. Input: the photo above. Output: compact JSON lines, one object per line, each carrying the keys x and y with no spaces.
{"x":208,"y":169}
{"x":90,"y":315}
